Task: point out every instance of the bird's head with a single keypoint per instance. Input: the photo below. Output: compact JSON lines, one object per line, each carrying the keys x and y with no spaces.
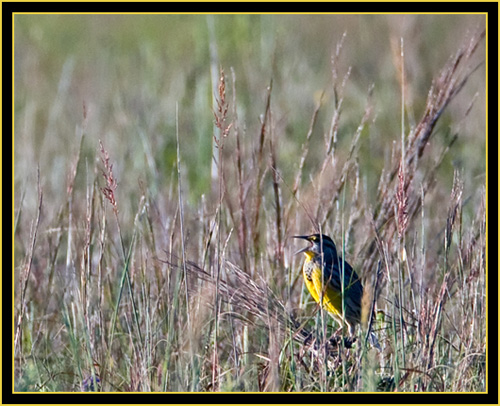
{"x":320,"y":243}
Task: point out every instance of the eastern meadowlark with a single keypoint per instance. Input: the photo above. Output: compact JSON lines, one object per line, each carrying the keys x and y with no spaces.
{"x":322,"y":271}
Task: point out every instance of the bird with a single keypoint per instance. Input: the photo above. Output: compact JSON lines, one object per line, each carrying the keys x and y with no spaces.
{"x":322,"y":272}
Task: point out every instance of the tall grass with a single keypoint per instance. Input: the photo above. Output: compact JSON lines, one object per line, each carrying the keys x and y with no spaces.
{"x":146,"y":268}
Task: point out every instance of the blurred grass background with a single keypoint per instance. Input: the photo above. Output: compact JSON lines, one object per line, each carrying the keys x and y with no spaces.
{"x":120,"y":79}
{"x":132,"y":70}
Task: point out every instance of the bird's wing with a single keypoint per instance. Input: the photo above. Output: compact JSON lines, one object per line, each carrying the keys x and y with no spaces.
{"x":351,"y":279}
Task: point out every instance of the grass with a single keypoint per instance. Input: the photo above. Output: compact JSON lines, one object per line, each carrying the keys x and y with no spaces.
{"x":142,"y":264}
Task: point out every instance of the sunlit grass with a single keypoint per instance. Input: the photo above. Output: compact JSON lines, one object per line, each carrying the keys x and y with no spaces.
{"x":143,"y":263}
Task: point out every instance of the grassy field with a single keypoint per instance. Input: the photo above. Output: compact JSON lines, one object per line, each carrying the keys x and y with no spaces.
{"x":163,"y":163}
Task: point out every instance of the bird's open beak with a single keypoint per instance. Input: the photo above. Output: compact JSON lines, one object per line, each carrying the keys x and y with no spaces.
{"x":304,"y":237}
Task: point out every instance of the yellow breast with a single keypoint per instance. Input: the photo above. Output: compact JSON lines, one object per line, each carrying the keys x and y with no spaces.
{"x":332,"y":300}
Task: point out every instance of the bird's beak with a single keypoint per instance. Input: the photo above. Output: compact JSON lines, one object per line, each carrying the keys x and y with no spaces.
{"x":304,"y":237}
